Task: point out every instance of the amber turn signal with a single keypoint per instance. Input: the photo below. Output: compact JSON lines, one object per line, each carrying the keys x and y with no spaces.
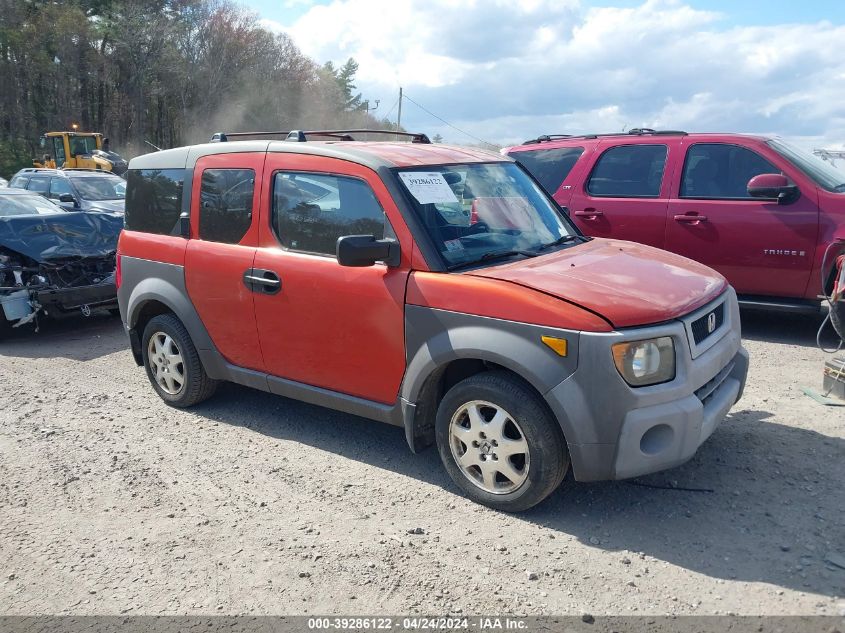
{"x":557,"y":344}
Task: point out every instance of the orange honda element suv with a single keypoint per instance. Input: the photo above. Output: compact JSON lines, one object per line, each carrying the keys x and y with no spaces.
{"x":432,"y":287}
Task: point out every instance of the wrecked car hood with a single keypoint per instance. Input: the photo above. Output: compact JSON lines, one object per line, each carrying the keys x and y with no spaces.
{"x":49,"y":238}
{"x":106,"y":206}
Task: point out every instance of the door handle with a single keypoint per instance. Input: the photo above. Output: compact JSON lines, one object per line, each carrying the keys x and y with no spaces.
{"x":590,"y":214}
{"x":692,"y":218}
{"x":263,"y":281}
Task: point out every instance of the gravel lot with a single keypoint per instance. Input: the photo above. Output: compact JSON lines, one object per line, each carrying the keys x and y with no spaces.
{"x":112,"y":503}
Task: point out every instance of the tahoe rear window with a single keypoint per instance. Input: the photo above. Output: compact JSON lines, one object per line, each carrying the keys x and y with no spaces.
{"x":153,"y":200}
{"x":549,"y":166}
{"x":628,"y":171}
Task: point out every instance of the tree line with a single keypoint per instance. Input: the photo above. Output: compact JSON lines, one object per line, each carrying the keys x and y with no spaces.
{"x":167,"y":72}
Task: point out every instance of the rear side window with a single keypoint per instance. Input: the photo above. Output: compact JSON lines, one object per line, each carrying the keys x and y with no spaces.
{"x":226,"y":204}
{"x":629,"y":171}
{"x":154,"y":200}
{"x":310,"y":211}
{"x":19,"y":182}
{"x":721,"y":170}
{"x":40,"y":184}
{"x":549,"y":166}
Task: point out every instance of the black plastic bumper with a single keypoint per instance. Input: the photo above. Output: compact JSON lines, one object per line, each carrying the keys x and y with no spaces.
{"x":75,"y":299}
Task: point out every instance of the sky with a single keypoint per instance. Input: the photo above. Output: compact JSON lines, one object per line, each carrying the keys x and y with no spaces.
{"x":504,"y":71}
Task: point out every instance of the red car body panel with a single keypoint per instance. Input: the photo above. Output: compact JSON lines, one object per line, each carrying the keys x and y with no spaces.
{"x":629,"y":284}
{"x":167,"y":249}
{"x":640,"y":220}
{"x":315,"y":331}
{"x":499,"y":299}
{"x":214,"y":272}
{"x":763,"y":248}
{"x":412,"y":154}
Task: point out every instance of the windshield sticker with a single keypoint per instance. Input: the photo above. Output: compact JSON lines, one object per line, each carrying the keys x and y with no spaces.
{"x":453,"y":245}
{"x":428,"y":187}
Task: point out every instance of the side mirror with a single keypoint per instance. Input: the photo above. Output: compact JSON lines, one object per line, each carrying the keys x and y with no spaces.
{"x":365,"y":250}
{"x":68,"y":198}
{"x":773,"y":186}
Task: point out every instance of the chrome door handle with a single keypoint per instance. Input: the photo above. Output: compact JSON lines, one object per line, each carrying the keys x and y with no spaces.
{"x":691,"y":219}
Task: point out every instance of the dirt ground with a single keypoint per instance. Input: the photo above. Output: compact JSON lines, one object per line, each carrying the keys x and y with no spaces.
{"x":113,"y":503}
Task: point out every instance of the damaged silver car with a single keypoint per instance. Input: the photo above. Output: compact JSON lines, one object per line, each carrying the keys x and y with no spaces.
{"x":53,"y":262}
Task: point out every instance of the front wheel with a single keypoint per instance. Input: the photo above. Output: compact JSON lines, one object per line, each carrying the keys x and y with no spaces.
{"x":173,"y":364}
{"x":499,"y":443}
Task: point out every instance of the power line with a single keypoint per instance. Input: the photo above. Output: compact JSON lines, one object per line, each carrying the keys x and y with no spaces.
{"x":426,"y":110}
{"x":389,"y":112}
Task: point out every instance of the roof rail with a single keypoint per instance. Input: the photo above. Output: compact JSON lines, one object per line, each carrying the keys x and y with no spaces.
{"x":301,"y":136}
{"x":636,"y":131}
{"x":545,"y":138}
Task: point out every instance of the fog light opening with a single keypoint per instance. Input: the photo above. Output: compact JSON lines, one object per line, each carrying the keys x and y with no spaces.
{"x":656,"y":439}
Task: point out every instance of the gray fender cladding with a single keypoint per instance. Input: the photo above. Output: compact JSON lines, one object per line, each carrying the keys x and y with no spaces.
{"x":434,"y":338}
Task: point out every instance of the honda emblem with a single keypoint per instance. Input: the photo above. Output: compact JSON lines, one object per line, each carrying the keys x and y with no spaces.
{"x":711,"y":322}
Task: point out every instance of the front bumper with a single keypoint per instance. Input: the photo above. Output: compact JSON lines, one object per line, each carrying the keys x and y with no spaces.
{"x":622,"y":431}
{"x":75,"y":299}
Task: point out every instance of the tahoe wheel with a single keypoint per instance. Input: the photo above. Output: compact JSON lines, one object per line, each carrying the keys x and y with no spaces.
{"x":173,"y":364}
{"x":499,"y":443}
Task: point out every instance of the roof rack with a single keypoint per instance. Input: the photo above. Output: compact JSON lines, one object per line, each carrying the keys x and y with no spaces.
{"x":301,"y":136}
{"x":635,"y":131}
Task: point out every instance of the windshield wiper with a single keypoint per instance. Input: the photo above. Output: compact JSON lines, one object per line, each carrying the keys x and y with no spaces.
{"x":565,"y":239}
{"x":839,"y":188}
{"x":492,"y":255}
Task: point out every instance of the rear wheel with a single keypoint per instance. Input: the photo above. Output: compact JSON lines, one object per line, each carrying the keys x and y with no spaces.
{"x":499,"y":443}
{"x":173,"y":364}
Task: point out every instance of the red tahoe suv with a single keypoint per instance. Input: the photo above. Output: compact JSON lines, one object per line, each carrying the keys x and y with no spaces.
{"x":435,"y":288}
{"x":757,"y":209}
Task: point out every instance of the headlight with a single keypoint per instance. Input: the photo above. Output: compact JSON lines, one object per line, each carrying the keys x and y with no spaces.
{"x":648,"y":362}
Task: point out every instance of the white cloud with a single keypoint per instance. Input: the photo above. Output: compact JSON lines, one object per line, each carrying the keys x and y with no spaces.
{"x":506,"y":71}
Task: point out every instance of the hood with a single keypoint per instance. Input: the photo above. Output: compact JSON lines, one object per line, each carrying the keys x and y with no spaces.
{"x":108,"y":206}
{"x":49,"y":238}
{"x":628,"y":284}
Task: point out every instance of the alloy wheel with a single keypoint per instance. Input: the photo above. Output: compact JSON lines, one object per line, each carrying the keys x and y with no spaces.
{"x":166,"y":363}
{"x":489,"y":447}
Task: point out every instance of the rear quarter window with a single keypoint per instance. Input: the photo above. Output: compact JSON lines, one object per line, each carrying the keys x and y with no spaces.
{"x":549,"y":166}
{"x":154,"y":200}
{"x":19,"y":182}
{"x":226,"y":204}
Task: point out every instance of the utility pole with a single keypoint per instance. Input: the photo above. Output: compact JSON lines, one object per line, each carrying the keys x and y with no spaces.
{"x":399,"y":116}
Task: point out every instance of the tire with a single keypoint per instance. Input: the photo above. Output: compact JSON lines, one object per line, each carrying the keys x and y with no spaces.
{"x":479,"y":405}
{"x":181,"y":383}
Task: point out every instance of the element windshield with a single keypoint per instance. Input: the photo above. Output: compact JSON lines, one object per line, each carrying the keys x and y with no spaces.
{"x":481,"y":212}
{"x":823,"y":173}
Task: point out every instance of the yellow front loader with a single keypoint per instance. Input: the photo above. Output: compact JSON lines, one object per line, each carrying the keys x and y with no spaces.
{"x":79,"y":150}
